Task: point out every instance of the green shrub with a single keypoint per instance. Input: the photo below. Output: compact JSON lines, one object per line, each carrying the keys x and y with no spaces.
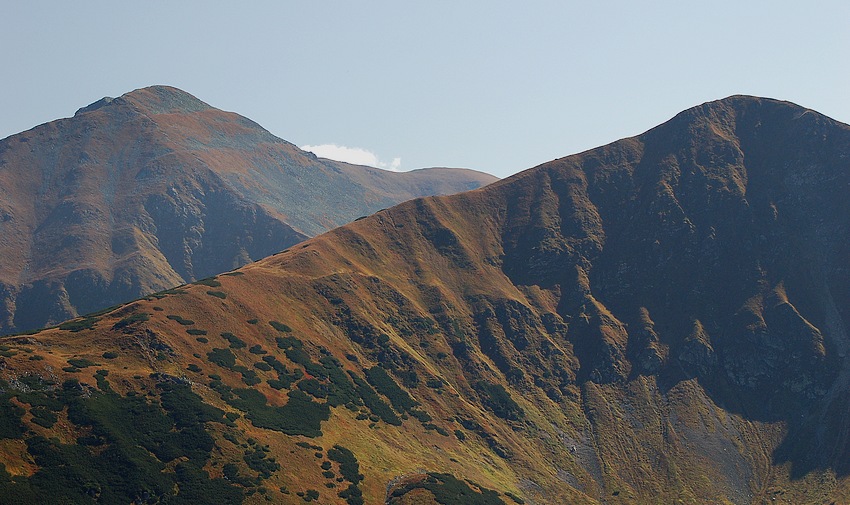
{"x":371,"y":399}
{"x":288,"y":343}
{"x":313,"y":388}
{"x":434,"y":427}
{"x":497,"y":399}
{"x":262,"y":365}
{"x":231,"y":473}
{"x":434,"y":383}
{"x":278,"y":384}
{"x":352,"y":495}
{"x":280,"y":326}
{"x":515,"y":498}
{"x":341,"y":389}
{"x":81,"y":362}
{"x":249,"y":377}
{"x":449,"y":490}
{"x":10,"y":418}
{"x":195,"y":331}
{"x":257,"y":461}
{"x":381,"y":380}
{"x":235,"y":342}
{"x":300,"y":415}
{"x":210,"y":282}
{"x":222,"y":357}
{"x":180,"y":320}
{"x":138,"y":317}
{"x":136,"y":439}
{"x":421,"y":415}
{"x":110,"y":355}
{"x":79,"y":324}
{"x":348,"y":466}
{"x":218,"y":294}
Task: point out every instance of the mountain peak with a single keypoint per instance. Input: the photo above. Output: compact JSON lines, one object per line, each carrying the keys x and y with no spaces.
{"x":165,"y":100}
{"x":157,"y":99}
{"x":736,"y":105}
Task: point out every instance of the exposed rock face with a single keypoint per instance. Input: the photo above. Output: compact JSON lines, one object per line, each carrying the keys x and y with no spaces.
{"x":662,"y":319}
{"x":156,"y":188}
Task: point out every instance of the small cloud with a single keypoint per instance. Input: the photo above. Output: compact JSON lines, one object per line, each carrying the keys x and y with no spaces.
{"x":355,"y":155}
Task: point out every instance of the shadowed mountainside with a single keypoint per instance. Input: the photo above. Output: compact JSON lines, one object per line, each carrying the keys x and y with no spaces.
{"x":156,"y":188}
{"x":659,"y":320}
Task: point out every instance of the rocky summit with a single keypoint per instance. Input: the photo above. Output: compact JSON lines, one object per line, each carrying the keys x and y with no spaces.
{"x":156,"y":188}
{"x":659,"y":320}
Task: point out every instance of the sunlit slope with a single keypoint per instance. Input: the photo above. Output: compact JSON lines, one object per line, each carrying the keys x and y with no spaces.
{"x":659,"y":320}
{"x":156,"y":188}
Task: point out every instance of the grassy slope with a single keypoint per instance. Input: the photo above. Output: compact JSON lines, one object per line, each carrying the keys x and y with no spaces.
{"x":433,"y":287}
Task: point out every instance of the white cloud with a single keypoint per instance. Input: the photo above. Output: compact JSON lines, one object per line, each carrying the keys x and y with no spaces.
{"x":355,"y":155}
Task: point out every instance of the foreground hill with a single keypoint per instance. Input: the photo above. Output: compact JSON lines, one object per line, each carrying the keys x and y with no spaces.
{"x":156,"y":188}
{"x":660,"y":320}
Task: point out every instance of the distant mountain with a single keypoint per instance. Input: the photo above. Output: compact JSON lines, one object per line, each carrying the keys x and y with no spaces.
{"x":660,"y":320}
{"x":156,"y":188}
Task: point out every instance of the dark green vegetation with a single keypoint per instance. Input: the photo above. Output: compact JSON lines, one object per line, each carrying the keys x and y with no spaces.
{"x":374,"y":402}
{"x":235,"y":342}
{"x":280,"y":326}
{"x":222,"y":357}
{"x":661,"y":320}
{"x":448,"y":490}
{"x":76,"y":325}
{"x":81,"y":362}
{"x":210,"y":282}
{"x":138,"y":317}
{"x":180,"y":320}
{"x":328,"y":383}
{"x":126,"y":455}
{"x":401,"y":401}
{"x":300,"y":415}
{"x":497,"y":399}
{"x":350,"y":471}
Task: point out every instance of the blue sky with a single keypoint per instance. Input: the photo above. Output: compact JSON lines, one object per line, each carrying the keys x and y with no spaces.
{"x":495,"y":86}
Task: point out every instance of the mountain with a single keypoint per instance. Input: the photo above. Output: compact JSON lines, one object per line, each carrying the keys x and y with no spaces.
{"x":659,"y":320}
{"x":156,"y":188}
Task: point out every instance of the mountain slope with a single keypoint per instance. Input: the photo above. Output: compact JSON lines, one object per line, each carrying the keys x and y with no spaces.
{"x":156,"y":188}
{"x":659,"y":320}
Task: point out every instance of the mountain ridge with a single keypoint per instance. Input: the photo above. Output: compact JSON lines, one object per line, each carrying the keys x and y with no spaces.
{"x":155,"y":188}
{"x":656,"y":320}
